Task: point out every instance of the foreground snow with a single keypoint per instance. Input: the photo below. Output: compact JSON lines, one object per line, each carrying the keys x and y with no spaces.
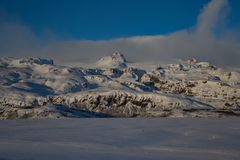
{"x":198,"y":139}
{"x":37,"y":88}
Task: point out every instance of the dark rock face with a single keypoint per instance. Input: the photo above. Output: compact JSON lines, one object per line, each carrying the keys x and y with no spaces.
{"x":39,"y":61}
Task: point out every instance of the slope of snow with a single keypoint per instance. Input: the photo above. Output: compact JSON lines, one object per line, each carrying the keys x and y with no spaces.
{"x":114,"y":87}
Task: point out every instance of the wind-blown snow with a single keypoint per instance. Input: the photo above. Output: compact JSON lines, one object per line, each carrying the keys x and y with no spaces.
{"x":37,"y":88}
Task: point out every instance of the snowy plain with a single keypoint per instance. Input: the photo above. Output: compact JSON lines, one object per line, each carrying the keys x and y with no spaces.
{"x":121,"y":138}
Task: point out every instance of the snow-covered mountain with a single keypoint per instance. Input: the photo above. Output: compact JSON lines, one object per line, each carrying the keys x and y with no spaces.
{"x":114,"y":60}
{"x":112,"y":87}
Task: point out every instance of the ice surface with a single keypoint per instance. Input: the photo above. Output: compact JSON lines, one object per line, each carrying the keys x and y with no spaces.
{"x":183,"y":139}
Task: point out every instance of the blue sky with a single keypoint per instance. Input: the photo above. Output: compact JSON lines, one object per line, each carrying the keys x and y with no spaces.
{"x":150,"y":30}
{"x":107,"y":19}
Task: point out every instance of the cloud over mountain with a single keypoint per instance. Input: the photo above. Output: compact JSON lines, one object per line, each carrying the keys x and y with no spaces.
{"x":207,"y":40}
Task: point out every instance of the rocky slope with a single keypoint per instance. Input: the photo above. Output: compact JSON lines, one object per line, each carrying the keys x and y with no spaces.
{"x":112,"y":87}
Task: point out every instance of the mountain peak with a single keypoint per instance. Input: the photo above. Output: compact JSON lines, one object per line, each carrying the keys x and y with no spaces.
{"x":114,"y":60}
{"x":118,"y":56}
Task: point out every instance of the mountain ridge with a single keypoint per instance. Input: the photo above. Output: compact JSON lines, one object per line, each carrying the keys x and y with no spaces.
{"x":38,"y":88}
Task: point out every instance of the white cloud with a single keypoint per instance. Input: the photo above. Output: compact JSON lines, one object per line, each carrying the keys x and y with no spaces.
{"x":16,"y":38}
{"x":213,"y":13}
{"x":199,"y":41}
